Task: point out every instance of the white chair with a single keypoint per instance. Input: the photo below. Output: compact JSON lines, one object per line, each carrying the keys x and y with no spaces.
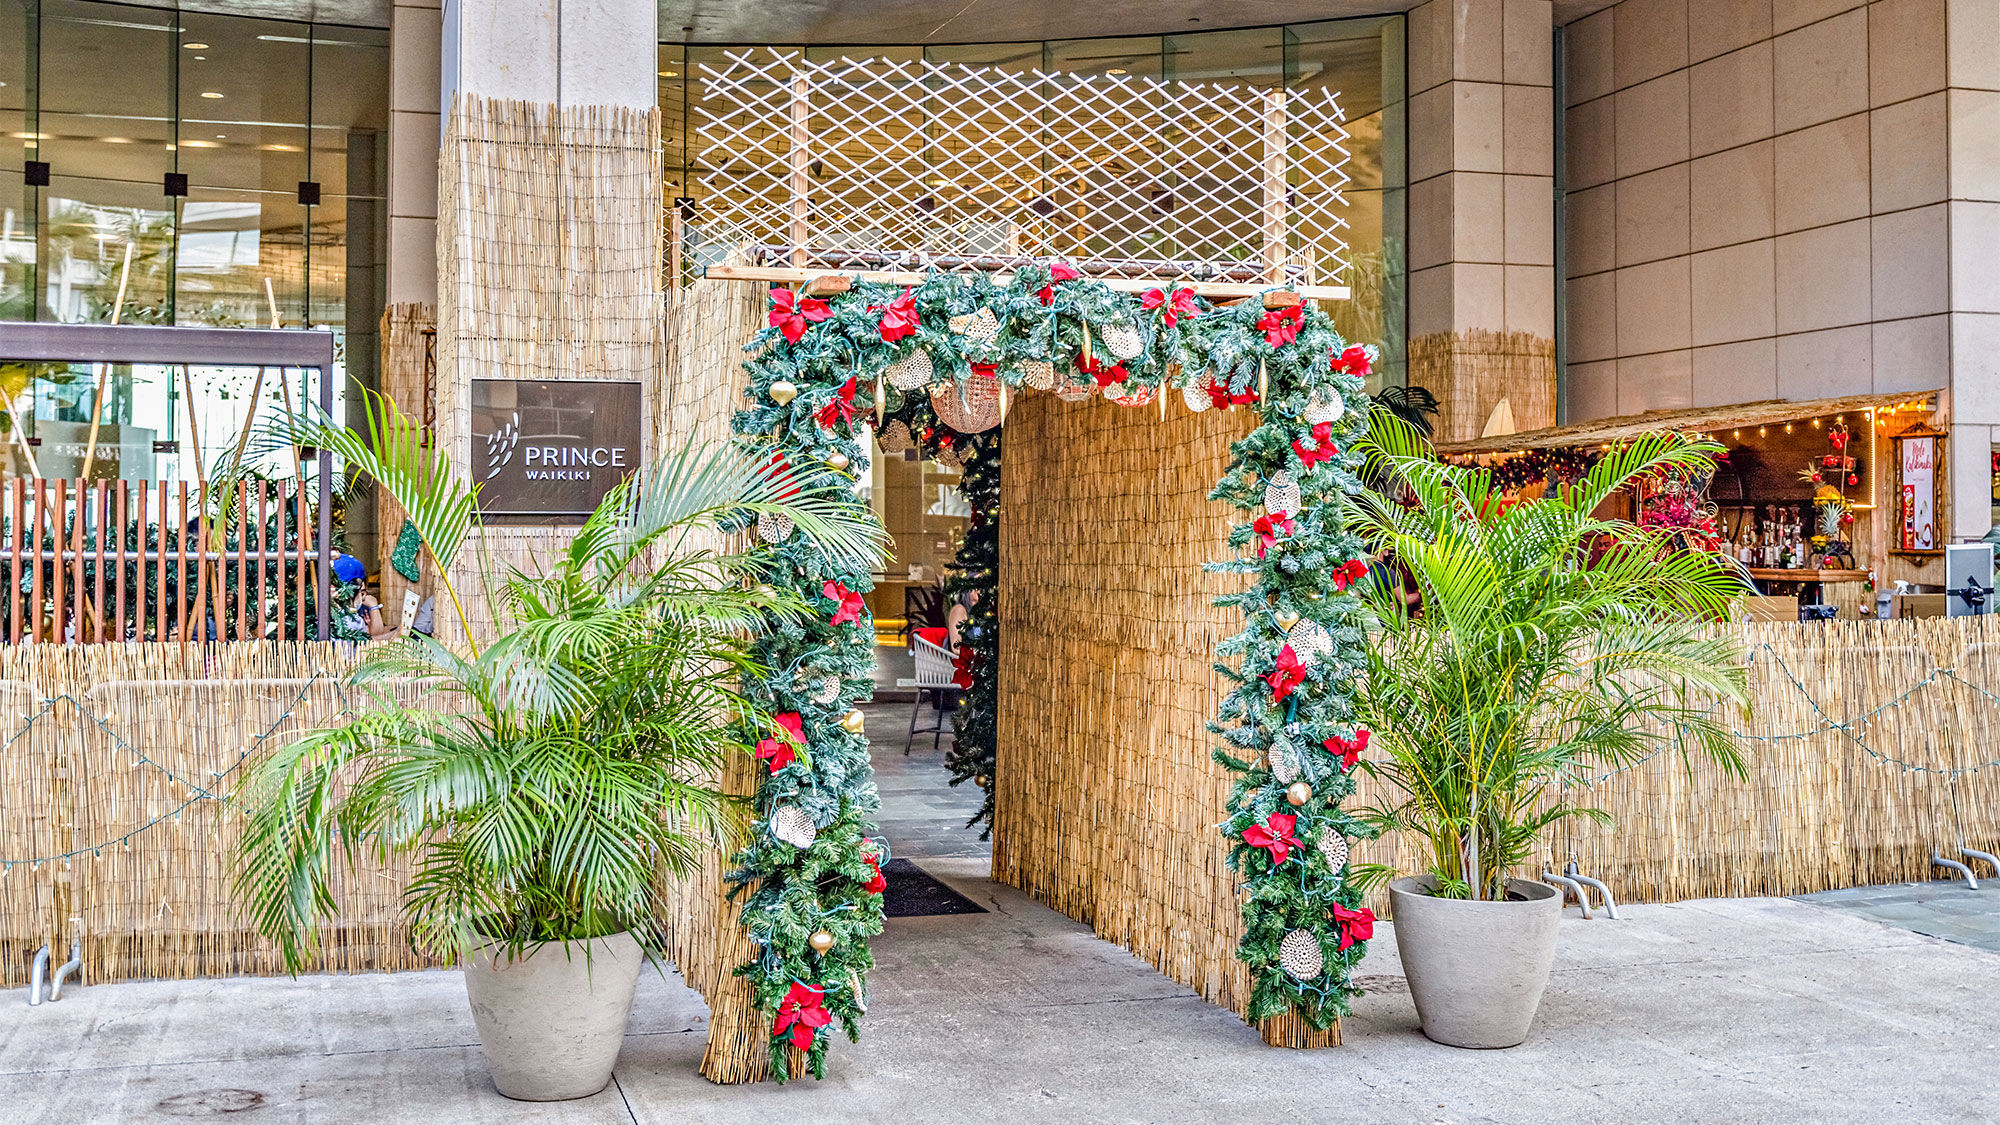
{"x":935,"y":672}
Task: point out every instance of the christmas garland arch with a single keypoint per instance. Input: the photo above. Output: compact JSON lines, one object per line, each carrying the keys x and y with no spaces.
{"x":912,"y":360}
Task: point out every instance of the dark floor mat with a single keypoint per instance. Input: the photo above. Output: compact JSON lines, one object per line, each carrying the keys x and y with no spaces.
{"x":913,"y":893}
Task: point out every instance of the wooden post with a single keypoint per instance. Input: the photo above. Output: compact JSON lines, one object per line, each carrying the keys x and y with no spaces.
{"x":1275,"y":168}
{"x":676,"y":231}
{"x":801,"y":169}
{"x":34,"y":555}
{"x":160,"y":573}
{"x":17,"y":498}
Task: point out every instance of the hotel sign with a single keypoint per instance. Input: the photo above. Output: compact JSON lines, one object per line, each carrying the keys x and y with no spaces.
{"x":552,"y":447}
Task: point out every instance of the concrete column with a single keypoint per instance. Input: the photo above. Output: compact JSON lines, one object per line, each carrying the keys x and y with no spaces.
{"x":1482,"y":213}
{"x":1968,"y":45}
{"x":560,"y":52}
{"x":414,"y":128}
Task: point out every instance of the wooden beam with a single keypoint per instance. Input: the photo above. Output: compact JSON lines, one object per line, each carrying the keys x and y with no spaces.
{"x":1214,"y":290}
{"x":801,"y":168}
{"x":1276,"y":155}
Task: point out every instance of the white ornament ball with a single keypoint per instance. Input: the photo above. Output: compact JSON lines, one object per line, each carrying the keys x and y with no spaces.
{"x":1284,"y":762}
{"x":1123,"y":341}
{"x":1299,"y":955}
{"x":1038,"y":374}
{"x":1325,"y":407}
{"x":1309,"y":640}
{"x":1281,"y":494}
{"x":774,"y":528}
{"x":827,"y":690}
{"x":1196,"y":397}
{"x":911,"y":371}
{"x":1333,"y":846}
{"x":980,"y":327}
{"x":794,"y":826}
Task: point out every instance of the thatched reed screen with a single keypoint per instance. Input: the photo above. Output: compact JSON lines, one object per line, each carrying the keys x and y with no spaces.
{"x":1865,"y":740}
{"x":113,"y":763}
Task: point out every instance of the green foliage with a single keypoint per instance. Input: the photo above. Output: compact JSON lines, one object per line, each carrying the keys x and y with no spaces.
{"x":976,"y":572}
{"x":539,"y":786}
{"x":1550,"y":643}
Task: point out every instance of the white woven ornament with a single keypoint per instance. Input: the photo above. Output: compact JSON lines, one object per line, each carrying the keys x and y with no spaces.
{"x":1309,"y":641}
{"x":1123,"y":341}
{"x":827,"y":690}
{"x":791,"y":824}
{"x":774,"y":527}
{"x":1196,"y":397}
{"x":1038,"y":374}
{"x":979,"y":327}
{"x":910,"y":372}
{"x":895,"y":438}
{"x":1334,"y":847}
{"x":1284,"y":762}
{"x":1299,"y":955}
{"x":1281,"y":494}
{"x":1325,"y":407}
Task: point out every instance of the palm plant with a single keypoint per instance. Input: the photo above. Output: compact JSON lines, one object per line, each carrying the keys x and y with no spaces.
{"x":541,"y":783}
{"x":1547,"y":642}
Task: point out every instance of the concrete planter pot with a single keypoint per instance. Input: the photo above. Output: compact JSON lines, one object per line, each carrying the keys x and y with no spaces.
{"x":1476,"y":969}
{"x":552,"y":1022}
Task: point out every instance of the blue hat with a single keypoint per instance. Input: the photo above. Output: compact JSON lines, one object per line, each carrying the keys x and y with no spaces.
{"x":347,"y":568}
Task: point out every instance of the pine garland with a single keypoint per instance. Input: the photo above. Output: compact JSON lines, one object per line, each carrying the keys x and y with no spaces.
{"x":814,"y":375}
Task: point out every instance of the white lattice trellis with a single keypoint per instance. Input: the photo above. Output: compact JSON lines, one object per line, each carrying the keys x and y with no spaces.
{"x":882,"y":164}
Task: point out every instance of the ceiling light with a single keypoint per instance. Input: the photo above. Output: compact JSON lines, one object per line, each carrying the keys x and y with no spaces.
{"x":280,"y":148}
{"x":210,"y":94}
{"x":29,"y":136}
{"x":173,"y":148}
{"x":1115,"y":70}
{"x":670,"y":74}
{"x":194,"y":46}
{"x":116,"y":140}
{"x":222,"y":136}
{"x":199,"y":144}
{"x":201,"y":58}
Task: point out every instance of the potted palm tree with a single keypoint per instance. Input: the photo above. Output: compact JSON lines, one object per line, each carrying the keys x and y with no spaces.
{"x":540,"y":785}
{"x":1546,"y":644}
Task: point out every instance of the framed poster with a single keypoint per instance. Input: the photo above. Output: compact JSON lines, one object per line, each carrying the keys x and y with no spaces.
{"x":542,"y":447}
{"x":1917,"y":499}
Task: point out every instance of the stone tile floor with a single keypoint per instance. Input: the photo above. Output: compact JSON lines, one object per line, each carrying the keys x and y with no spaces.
{"x":1951,"y":911}
{"x":923,"y":815}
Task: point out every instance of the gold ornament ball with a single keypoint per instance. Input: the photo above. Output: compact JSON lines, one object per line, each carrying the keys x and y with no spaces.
{"x":784,"y":391}
{"x":821,"y":941}
{"x":853,"y":721}
{"x":838,"y":461}
{"x":1317,"y":595}
{"x":1298,"y":792}
{"x":982,"y":781}
{"x":1287,"y":619}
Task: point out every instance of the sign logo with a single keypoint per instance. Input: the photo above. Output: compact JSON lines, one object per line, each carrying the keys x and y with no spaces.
{"x":553,"y":447}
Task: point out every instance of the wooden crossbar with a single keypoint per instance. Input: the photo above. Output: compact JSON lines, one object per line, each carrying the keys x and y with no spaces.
{"x":1214,"y":290}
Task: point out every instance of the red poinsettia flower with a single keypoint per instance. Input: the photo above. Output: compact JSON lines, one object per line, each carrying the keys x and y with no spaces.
{"x":1352,"y":361}
{"x":790,"y":314}
{"x":1275,"y":835}
{"x":1059,"y":272}
{"x":878,"y":882}
{"x":899,"y":317}
{"x":849,"y":602}
{"x":1219,"y":396}
{"x":1281,"y":326}
{"x":801,"y":1014}
{"x":1105,"y":374}
{"x":778,"y":751}
{"x":1289,"y":674}
{"x":1268,"y":528}
{"x":1348,"y":750}
{"x":841,"y":409}
{"x":1350,"y":572}
{"x":1318,"y":446}
{"x":1355,"y":925}
{"x":1174,"y":306}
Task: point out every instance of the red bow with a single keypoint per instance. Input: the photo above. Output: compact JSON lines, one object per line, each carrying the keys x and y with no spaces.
{"x":1268,"y":528}
{"x":1281,"y":326}
{"x":899,"y":317}
{"x":778,"y":751}
{"x":1352,"y":361}
{"x":841,"y":409}
{"x":1180,"y":304}
{"x":1275,"y":834}
{"x":849,"y":601}
{"x":790,"y":314}
{"x":961,"y":667}
{"x":878,"y":882}
{"x":1221,"y":399}
{"x":801,"y":1015}
{"x":1355,"y":925}
{"x":1290,"y":673}
{"x":1323,"y":448}
{"x":1348,"y":749}
{"x":1058,"y":272}
{"x":1096,"y":368}
{"x":1350,"y":572}
{"x":986,"y":370}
